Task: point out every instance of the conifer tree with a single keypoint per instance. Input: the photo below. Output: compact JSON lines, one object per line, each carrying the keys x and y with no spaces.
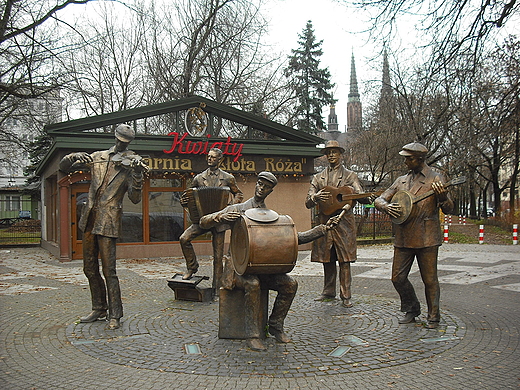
{"x":312,"y":85}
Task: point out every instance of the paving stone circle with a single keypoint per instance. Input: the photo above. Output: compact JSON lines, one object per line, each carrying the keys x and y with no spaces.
{"x":367,"y":334}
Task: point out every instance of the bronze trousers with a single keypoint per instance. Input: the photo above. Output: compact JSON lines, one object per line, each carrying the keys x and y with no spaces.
{"x":330,"y":273}
{"x":285,"y":285}
{"x":427,"y":261}
{"x":95,"y":247}
{"x":217,"y":241}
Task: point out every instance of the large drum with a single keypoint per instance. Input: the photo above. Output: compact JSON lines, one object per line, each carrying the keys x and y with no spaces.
{"x":263,"y":242}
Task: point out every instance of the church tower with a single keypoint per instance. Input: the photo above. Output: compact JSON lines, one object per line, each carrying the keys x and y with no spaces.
{"x":386,"y":99}
{"x":354,"y":109}
{"x":332,"y":124}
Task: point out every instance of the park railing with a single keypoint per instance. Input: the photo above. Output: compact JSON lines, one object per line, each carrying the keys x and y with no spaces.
{"x":17,"y":225}
{"x":372,"y":224}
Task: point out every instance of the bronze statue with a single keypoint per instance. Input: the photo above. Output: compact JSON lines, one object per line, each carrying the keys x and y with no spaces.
{"x":285,"y":285}
{"x":417,"y":231}
{"x":114,"y":172}
{"x":338,"y":244}
{"x":212,"y":177}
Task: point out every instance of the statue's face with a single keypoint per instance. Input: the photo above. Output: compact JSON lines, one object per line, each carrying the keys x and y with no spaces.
{"x":213,"y":158}
{"x":263,"y":188}
{"x":413,"y":163}
{"x":121,"y":146}
{"x":333,"y":156}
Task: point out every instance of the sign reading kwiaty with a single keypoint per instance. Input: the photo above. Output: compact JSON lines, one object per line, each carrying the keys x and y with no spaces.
{"x":181,"y":146}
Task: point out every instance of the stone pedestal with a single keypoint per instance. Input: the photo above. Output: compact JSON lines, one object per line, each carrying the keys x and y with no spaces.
{"x":232,"y":314}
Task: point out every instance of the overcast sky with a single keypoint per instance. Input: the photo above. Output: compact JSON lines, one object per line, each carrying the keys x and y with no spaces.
{"x":335,"y":24}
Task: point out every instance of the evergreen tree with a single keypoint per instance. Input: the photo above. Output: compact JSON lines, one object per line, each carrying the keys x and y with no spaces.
{"x":312,"y":85}
{"x":37,"y":150}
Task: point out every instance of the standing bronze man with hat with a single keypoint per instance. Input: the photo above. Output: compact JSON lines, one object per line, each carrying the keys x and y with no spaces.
{"x":114,"y":173}
{"x":419,"y":236}
{"x":338,"y":244}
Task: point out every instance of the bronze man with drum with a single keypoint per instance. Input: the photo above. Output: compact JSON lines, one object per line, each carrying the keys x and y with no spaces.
{"x":281,"y":282}
{"x":417,"y":230}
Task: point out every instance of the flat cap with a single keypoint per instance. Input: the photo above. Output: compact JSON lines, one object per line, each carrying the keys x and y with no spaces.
{"x":332,"y":144}
{"x":269,"y":177}
{"x":413,"y":149}
{"x":125,"y":133}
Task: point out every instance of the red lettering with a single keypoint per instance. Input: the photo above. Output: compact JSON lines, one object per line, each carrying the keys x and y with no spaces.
{"x":200,"y":147}
{"x":176,"y":142}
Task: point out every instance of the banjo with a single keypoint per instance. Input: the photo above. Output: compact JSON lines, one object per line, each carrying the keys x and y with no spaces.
{"x":406,"y":200}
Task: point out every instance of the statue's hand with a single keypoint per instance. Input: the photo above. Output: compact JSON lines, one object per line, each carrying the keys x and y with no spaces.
{"x":321,"y":196}
{"x":183,"y":199}
{"x":138,"y":165}
{"x":230,"y":216}
{"x":82,"y":158}
{"x":333,"y":222}
{"x":440,"y":191}
{"x":393,"y":209}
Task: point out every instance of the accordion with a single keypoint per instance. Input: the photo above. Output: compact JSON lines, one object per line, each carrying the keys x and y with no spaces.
{"x":206,"y":200}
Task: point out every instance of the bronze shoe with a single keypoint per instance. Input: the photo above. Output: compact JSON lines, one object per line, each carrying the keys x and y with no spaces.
{"x":188,"y":274}
{"x":324,"y":298}
{"x":279,"y":335}
{"x":432,"y":324}
{"x":256,"y":344}
{"x":114,"y":324}
{"x":408,"y":318}
{"x":94,"y":316}
{"x":347,"y":303}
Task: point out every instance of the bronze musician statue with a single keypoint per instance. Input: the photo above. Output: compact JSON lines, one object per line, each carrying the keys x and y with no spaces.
{"x":417,"y":230}
{"x":212,"y":177}
{"x":274,"y":279}
{"x":114,"y":173}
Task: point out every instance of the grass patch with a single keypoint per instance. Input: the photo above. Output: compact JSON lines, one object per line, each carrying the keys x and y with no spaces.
{"x":460,"y":238}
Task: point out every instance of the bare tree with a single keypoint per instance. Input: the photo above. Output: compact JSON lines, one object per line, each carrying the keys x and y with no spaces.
{"x":449,"y":27}
{"x":30,"y":70}
{"x":108,"y":70}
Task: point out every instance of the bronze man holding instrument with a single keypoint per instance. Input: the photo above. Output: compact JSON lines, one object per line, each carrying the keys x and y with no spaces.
{"x":338,"y":244}
{"x":417,"y":230}
{"x":285,"y":285}
{"x":212,"y":177}
{"x":114,"y":172}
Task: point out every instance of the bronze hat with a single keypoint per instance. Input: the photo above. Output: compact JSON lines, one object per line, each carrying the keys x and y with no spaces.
{"x":332,"y":144}
{"x":124,"y":133}
{"x":413,"y":149}
{"x":269,"y":177}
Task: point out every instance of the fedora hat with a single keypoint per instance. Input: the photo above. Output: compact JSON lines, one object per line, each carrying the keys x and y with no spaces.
{"x":332,"y":144}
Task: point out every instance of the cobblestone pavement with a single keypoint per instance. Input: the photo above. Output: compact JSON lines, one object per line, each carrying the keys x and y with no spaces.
{"x":42,"y":346}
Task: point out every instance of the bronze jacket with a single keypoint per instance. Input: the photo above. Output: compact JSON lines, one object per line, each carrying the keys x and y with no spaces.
{"x":422,"y":229}
{"x":106,"y":195}
{"x":343,"y":237}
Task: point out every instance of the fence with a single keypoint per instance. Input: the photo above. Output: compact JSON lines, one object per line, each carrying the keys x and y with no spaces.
{"x":372,"y":224}
{"x":17,"y":223}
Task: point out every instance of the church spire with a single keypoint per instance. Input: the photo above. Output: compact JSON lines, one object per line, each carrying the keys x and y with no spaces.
{"x":353,"y":95}
{"x":386,"y":89}
{"x":354,"y":110}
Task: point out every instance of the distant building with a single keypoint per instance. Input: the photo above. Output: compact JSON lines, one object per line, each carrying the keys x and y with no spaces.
{"x":354,"y":114}
{"x":20,"y":128}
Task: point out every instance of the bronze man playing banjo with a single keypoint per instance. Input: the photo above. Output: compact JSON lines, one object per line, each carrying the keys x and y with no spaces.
{"x":417,"y":231}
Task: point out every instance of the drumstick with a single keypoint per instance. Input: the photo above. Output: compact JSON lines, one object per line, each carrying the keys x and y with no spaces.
{"x":344,"y":209}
